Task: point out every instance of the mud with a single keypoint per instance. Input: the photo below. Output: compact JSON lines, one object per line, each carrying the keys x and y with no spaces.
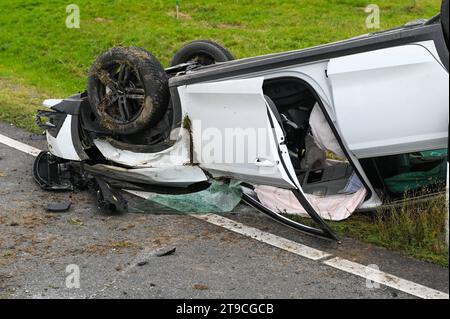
{"x":153,"y":78}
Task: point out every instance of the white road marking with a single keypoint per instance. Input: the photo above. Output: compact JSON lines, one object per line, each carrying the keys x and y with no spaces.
{"x":19,"y":146}
{"x":385,"y":279}
{"x":347,"y":266}
{"x":262,"y":236}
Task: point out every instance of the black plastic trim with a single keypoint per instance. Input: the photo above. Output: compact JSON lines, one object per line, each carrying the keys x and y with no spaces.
{"x":325,"y":230}
{"x":441,"y":47}
{"x":72,"y":106}
{"x":56,"y":119}
{"x":362,"y":44}
{"x":69,"y":106}
{"x":284,"y":220}
{"x":177,"y":109}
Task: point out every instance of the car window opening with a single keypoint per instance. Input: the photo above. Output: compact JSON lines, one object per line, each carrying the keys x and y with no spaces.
{"x":325,"y":174}
{"x":408,"y":175}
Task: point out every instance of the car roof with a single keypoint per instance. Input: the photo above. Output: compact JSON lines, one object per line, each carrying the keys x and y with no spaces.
{"x":367,"y":42}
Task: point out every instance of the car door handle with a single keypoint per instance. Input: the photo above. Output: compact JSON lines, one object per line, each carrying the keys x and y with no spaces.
{"x":262,"y":162}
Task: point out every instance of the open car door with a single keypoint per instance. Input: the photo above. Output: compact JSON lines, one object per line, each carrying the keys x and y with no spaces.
{"x":237,"y":133}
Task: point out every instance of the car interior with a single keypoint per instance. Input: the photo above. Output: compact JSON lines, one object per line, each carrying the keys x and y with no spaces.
{"x":414,"y":174}
{"x":320,"y":172}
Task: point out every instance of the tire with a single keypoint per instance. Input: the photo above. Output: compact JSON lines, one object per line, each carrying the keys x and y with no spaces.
{"x":445,"y":20}
{"x":206,"y":52}
{"x":128,"y":90}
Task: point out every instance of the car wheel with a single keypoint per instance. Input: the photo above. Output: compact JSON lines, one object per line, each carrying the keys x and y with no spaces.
{"x":445,"y":19}
{"x":128,"y":90}
{"x":204,"y":52}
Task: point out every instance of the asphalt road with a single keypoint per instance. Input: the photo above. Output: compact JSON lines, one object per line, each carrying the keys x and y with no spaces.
{"x":115,"y":254}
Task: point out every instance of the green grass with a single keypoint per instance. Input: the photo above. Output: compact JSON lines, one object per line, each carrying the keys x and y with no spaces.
{"x":417,"y":229}
{"x":41,"y":58}
{"x":19,"y":103}
{"x":36,"y":46}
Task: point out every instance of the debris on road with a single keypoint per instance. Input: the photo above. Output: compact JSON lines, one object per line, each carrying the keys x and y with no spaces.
{"x":126,"y":227}
{"x":200,"y":287}
{"x":41,"y":137}
{"x":165,"y":252}
{"x":142,"y":263}
{"x":59,"y":207}
{"x":159,"y":253}
{"x":109,"y":200}
{"x":75,"y":222}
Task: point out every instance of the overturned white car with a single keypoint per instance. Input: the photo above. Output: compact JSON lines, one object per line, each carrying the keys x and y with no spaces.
{"x":322,"y":132}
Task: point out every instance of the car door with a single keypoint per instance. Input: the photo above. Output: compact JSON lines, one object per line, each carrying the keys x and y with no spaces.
{"x":219,"y":114}
{"x":391,"y":101}
{"x":235,"y":133}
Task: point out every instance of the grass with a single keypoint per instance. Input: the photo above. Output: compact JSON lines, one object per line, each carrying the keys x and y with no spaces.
{"x":19,"y":103}
{"x":36,"y":45}
{"x":417,"y":229}
{"x":41,"y":58}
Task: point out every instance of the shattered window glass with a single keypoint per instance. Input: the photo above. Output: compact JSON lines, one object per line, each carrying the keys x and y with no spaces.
{"x":220,"y":197}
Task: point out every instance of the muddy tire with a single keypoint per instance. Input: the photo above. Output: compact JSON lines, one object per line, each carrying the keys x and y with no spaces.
{"x":445,"y":20}
{"x":205,"y":52}
{"x":128,"y":90}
